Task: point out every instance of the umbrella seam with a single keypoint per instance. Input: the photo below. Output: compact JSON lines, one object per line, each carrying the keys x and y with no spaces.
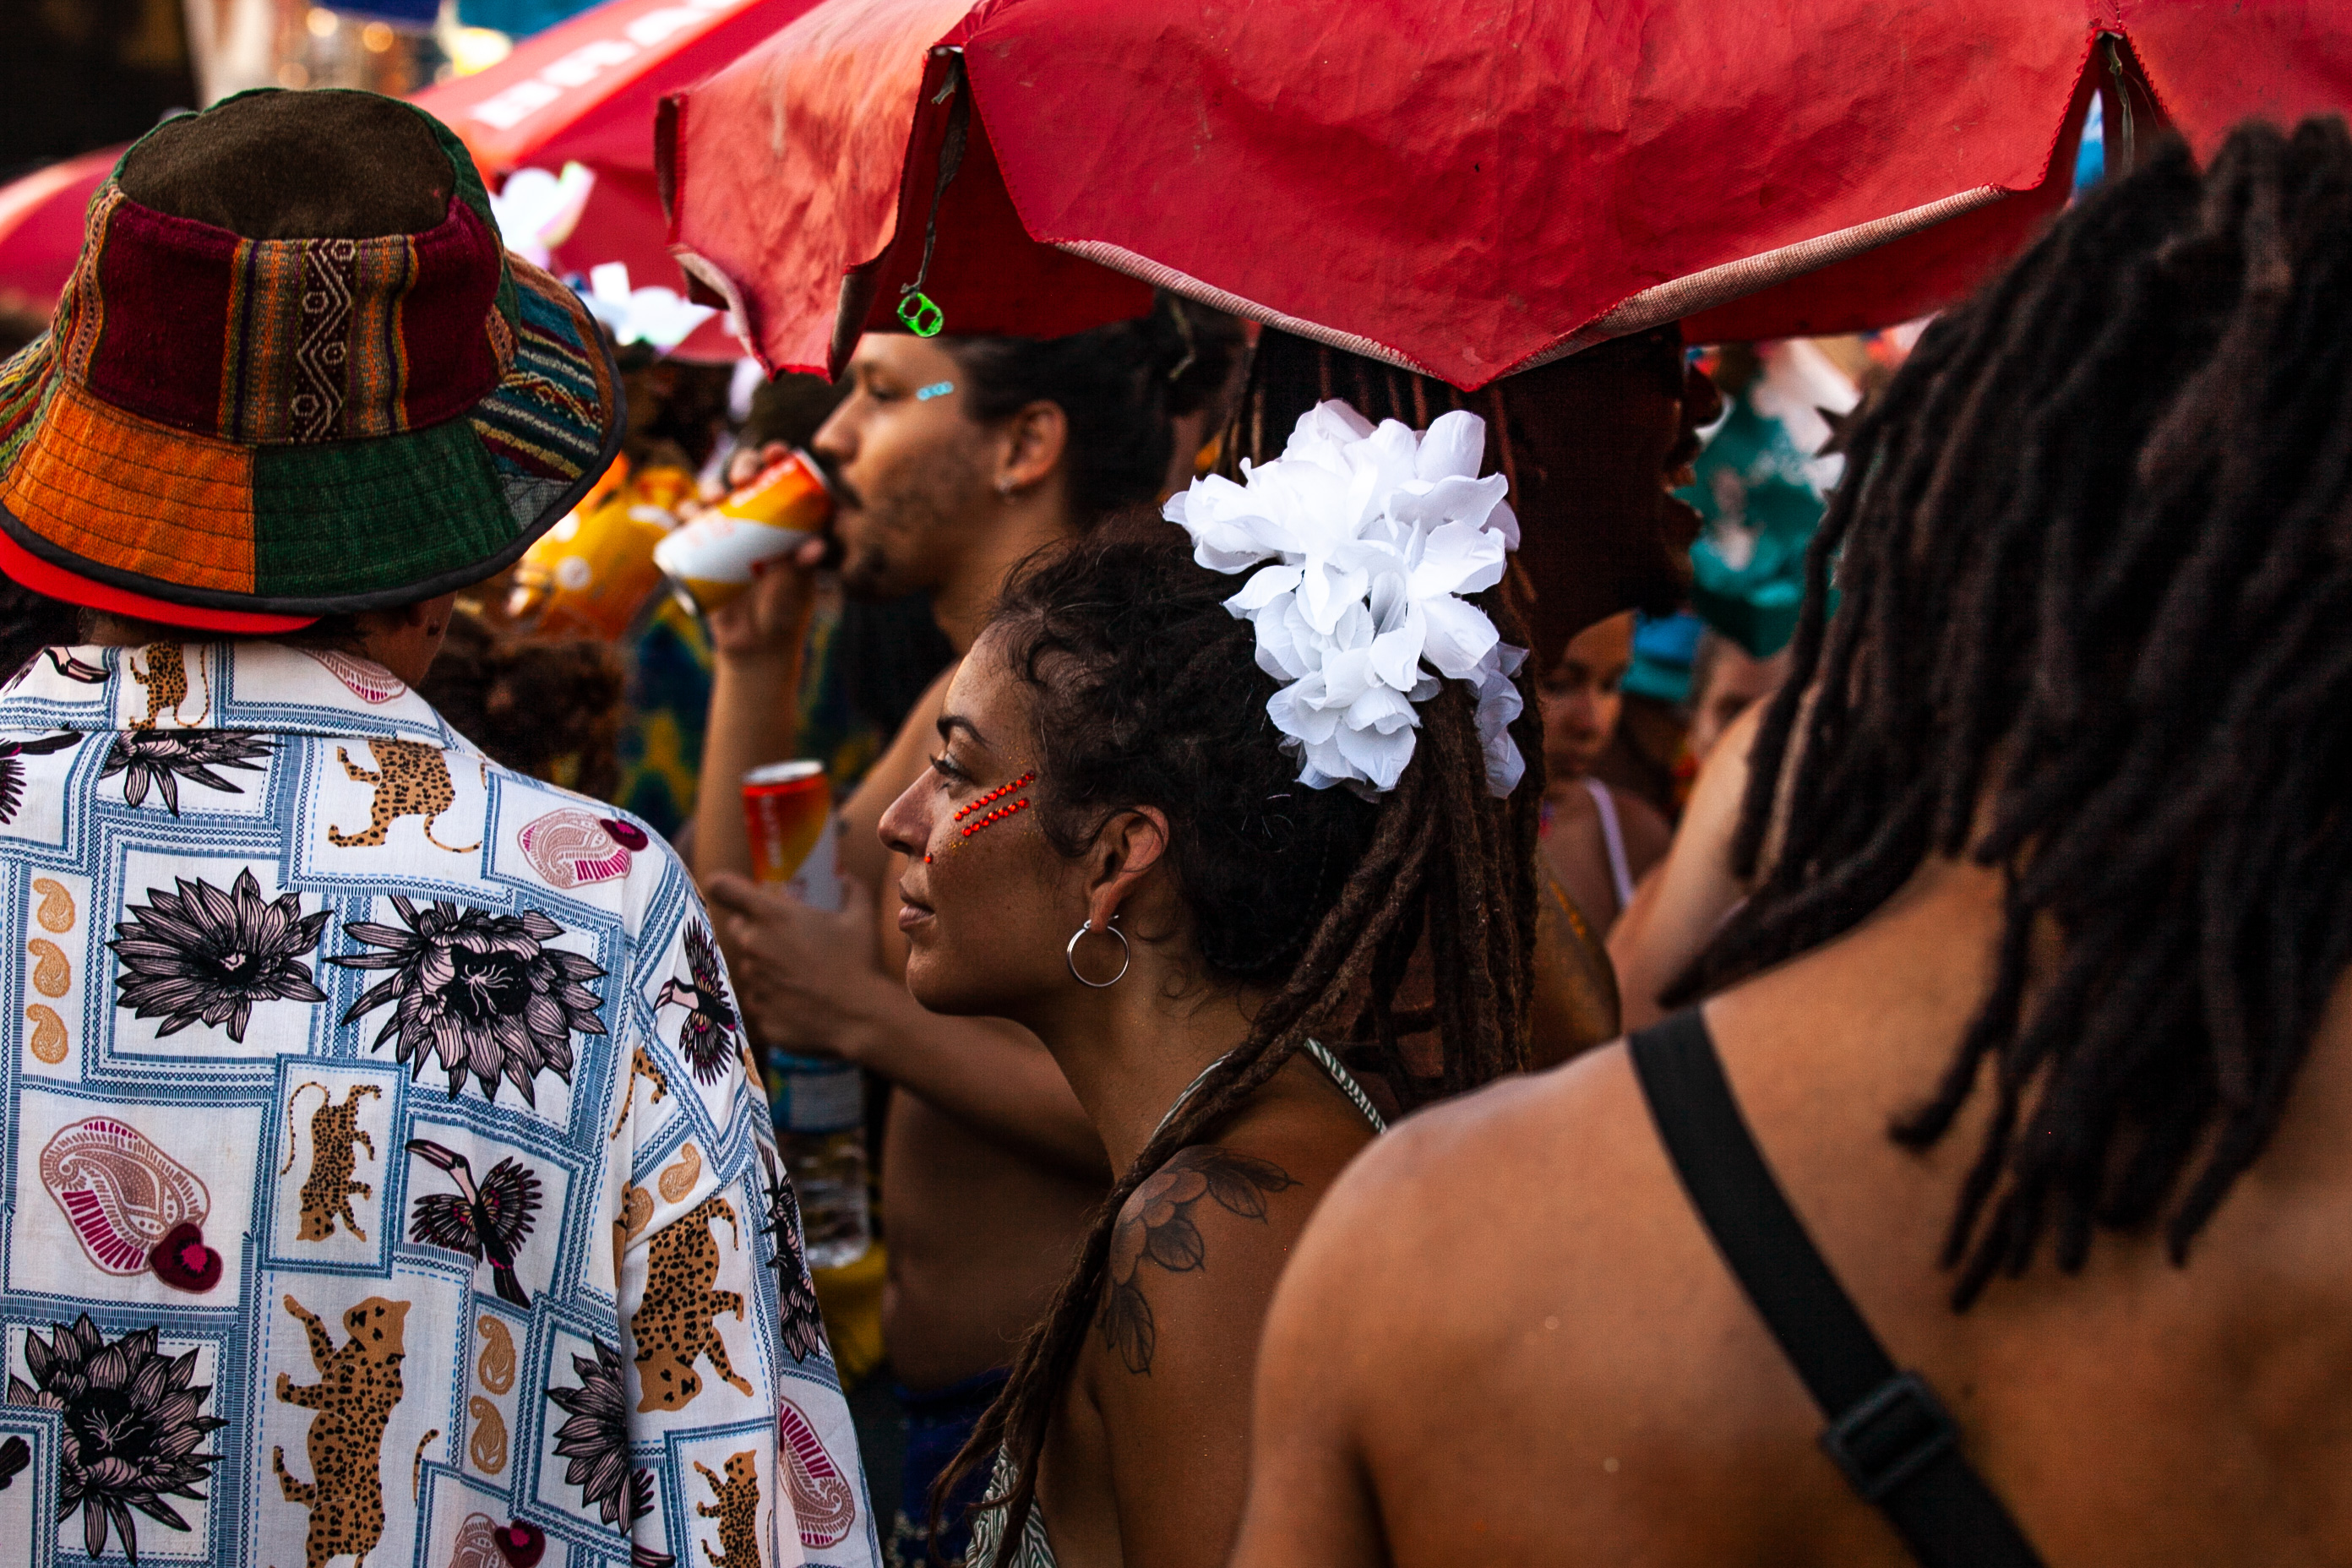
{"x":1703,"y":289}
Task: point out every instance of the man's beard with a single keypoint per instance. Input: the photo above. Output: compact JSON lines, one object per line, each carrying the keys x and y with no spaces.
{"x":889,"y":561}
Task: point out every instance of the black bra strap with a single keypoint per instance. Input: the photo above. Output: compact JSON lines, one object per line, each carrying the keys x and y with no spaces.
{"x":1887,"y":1431}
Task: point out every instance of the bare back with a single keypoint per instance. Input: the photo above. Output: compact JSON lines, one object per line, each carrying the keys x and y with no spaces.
{"x":1507,"y":1339}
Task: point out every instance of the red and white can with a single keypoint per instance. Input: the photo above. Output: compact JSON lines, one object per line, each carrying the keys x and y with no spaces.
{"x":788,"y":811}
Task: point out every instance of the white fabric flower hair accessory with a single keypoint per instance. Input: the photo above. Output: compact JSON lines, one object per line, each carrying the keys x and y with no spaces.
{"x":1359,"y":542}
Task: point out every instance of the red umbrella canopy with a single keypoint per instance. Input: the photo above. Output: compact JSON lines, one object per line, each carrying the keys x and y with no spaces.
{"x":1464,"y":188}
{"x":40,"y":228}
{"x":583,"y":91}
{"x":586,"y":89}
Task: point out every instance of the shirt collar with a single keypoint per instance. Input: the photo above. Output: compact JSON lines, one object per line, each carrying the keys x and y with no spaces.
{"x":275,"y":688}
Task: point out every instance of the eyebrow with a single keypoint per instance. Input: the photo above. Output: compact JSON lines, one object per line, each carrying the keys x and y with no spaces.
{"x":950,"y":723}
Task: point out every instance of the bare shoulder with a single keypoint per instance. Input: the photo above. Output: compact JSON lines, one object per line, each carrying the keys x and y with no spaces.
{"x":1197,"y":1247}
{"x":1529,"y":1130}
{"x":1525,"y":1252}
{"x":1533,"y":1198}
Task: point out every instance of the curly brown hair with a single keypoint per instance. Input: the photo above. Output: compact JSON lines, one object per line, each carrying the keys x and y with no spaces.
{"x":551,"y":708}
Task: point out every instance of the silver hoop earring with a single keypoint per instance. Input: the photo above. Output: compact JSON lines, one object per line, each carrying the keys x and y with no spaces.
{"x":1125,"y":955}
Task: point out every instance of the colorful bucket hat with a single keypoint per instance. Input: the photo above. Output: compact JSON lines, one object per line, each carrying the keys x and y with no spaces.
{"x":276,"y":389}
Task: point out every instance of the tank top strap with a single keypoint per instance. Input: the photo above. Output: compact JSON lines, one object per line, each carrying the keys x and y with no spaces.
{"x":1612,"y":835}
{"x":1323,"y":1056}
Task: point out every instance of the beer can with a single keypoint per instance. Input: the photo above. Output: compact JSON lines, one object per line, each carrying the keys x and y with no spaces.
{"x":715,"y":557}
{"x":788,"y":810}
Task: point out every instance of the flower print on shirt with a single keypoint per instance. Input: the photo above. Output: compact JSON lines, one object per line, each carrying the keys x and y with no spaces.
{"x":11,"y":766}
{"x":202,"y":955}
{"x":162,"y":758}
{"x":131,"y":1427}
{"x":480,"y":993}
{"x":596,"y":1441}
{"x":802,"y":1330}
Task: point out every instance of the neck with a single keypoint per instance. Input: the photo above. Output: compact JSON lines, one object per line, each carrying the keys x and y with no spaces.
{"x":1129,"y":1051}
{"x":1027,"y":523}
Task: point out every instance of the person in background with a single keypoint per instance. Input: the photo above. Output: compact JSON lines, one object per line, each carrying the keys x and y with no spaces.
{"x":1725,"y":681}
{"x":1591,"y":445}
{"x":550,"y":708}
{"x":1120,"y":848}
{"x":1684,"y":902}
{"x":1197,"y":432}
{"x":1600,"y":840}
{"x":2028,"y":1064}
{"x":867,"y":661}
{"x":678,"y":414}
{"x":273,"y":1295}
{"x":953,"y":459}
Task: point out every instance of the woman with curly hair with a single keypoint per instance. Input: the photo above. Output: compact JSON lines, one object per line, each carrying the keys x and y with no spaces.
{"x":1197,"y":856}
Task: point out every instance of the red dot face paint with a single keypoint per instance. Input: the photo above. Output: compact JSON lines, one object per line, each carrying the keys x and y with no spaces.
{"x":991,"y":807}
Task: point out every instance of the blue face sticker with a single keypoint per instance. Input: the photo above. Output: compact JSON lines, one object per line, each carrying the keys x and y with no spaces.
{"x":937,"y":389}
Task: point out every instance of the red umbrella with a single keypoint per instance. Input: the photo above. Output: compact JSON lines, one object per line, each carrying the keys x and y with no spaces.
{"x":582,"y":91}
{"x":1464,"y":188}
{"x":40,"y":228}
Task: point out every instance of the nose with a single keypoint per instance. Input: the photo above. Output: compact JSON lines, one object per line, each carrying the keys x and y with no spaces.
{"x":905,"y":825}
{"x":835,"y":440}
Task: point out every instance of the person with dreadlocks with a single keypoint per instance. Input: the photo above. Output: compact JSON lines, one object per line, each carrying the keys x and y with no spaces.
{"x":1593,"y":446}
{"x":1199,"y":803}
{"x":2037,"y":1013}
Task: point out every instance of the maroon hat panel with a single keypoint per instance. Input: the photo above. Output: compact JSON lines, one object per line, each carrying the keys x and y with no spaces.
{"x":150,"y":275}
{"x":321,"y":339}
{"x":454,"y":344}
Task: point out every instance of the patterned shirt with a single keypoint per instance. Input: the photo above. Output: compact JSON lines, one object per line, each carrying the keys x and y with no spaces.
{"x":380,"y":1179}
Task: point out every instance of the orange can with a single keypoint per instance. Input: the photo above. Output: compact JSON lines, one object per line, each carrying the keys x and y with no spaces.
{"x":593,"y":572}
{"x":786,"y":807}
{"x":715,"y":557}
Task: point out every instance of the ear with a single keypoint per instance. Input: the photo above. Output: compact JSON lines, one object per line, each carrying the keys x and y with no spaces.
{"x":1036,"y":437}
{"x":1127,"y":850}
{"x":427,"y":615}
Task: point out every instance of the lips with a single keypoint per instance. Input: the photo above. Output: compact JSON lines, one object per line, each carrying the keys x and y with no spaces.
{"x":912,"y":910}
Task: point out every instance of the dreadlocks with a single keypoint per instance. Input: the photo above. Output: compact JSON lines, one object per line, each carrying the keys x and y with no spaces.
{"x":2094,"y":563}
{"x":1147,"y":692}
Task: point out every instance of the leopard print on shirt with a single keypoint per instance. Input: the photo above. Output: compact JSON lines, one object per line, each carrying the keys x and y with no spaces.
{"x":334,"y":1129}
{"x":166,"y":681}
{"x":737,"y":1511}
{"x":358,"y":1387}
{"x":673,"y":1326}
{"x":411,"y":779}
{"x":641,"y":1066}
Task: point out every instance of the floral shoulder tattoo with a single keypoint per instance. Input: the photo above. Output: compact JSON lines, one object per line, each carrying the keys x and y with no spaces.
{"x":1157,"y":1228}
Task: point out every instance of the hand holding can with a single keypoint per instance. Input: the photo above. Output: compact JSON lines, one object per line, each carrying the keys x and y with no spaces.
{"x":711,"y":560}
